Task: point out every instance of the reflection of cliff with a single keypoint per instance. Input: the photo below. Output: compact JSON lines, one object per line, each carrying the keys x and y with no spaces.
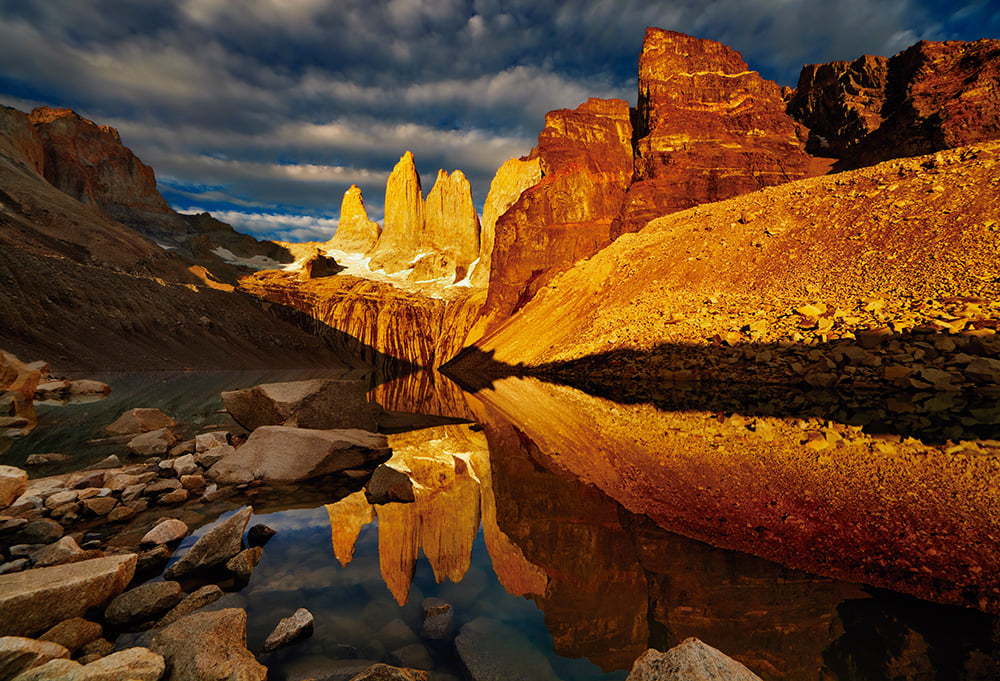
{"x":442,"y":521}
{"x":803,"y":492}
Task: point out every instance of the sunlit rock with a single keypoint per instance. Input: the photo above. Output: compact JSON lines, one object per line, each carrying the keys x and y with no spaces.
{"x":398,"y":245}
{"x":355,"y":232}
{"x":451,"y":227}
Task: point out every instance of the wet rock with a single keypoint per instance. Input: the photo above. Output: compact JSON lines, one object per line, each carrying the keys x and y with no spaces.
{"x":153,"y":443}
{"x":166,"y":531}
{"x":209,"y":646}
{"x":290,"y":630}
{"x":306,"y":454}
{"x":692,"y":660}
{"x":140,"y":421}
{"x":47,"y":459}
{"x":194,"y":601}
{"x":492,"y":651}
{"x":438,"y":617}
{"x":35,"y":600}
{"x":216,"y":547}
{"x":206,"y":441}
{"x":259,"y":534}
{"x":397,"y":634}
{"x":384,"y":672}
{"x":143,"y":603}
{"x":86,"y":386}
{"x":73,"y":633}
{"x":415,"y":656}
{"x":65,"y":550}
{"x":389,"y":485}
{"x":323,"y":404}
{"x":243,"y":563}
{"x":13,"y":482}
{"x":18,"y":654}
{"x":40,"y":531}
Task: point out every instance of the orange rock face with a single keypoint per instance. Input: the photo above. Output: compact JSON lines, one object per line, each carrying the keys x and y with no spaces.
{"x":511,"y":180}
{"x":355,"y":232}
{"x":25,"y":146}
{"x":932,"y":96}
{"x":90,"y":163}
{"x":404,"y":219}
{"x":708,"y":129}
{"x":452,"y":223}
{"x":585,"y":155}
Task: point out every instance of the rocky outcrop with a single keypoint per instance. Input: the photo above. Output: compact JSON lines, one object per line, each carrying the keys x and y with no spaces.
{"x":451,"y":227}
{"x":318,"y":403}
{"x":318,"y":265}
{"x":510,"y":181}
{"x":19,"y":141}
{"x":399,"y":244}
{"x":930,"y":97}
{"x":305,"y":454}
{"x":355,"y":232}
{"x":208,"y":645}
{"x":35,"y":600}
{"x":692,"y":660}
{"x":18,"y":377}
{"x":708,"y":128}
{"x":585,"y":155}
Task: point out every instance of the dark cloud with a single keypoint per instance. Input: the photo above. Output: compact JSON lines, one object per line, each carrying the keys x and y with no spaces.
{"x":276,"y":106}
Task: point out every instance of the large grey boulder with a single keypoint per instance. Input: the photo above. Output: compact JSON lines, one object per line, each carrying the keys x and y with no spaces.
{"x":35,"y":600}
{"x":492,"y":651}
{"x":286,"y":454}
{"x":215,"y":547}
{"x":692,"y":660}
{"x":208,"y":646}
{"x":323,"y":404}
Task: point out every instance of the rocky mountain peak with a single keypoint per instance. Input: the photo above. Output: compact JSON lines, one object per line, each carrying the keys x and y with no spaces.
{"x":355,"y":232}
{"x":404,"y":218}
{"x":452,"y":223}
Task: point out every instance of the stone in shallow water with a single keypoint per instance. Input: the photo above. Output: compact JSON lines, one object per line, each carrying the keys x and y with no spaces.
{"x":208,"y":645}
{"x":692,"y":660}
{"x":165,"y":532}
{"x":319,"y":403}
{"x":289,"y":630}
{"x":389,"y":485}
{"x":140,"y":420}
{"x":143,"y":603}
{"x":194,"y":601}
{"x":153,"y":443}
{"x":216,"y":547}
{"x":35,"y":600}
{"x":492,"y":651}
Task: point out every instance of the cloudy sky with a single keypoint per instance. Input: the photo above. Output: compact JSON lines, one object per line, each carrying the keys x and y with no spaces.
{"x":264,"y":111}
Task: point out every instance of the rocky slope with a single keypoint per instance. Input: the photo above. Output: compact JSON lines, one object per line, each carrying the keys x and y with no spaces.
{"x":884,"y":275}
{"x":929,"y":97}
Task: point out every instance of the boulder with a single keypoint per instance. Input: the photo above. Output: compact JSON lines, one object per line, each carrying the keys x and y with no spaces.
{"x":185,"y":465}
{"x":414,"y":656}
{"x":153,"y":443}
{"x":62,"y":669}
{"x":193,"y":601}
{"x":319,"y":265}
{"x":73,"y":633}
{"x":492,"y":651}
{"x":384,"y":672}
{"x":355,"y":232}
{"x":35,"y":600}
{"x":692,"y":660}
{"x":88,"y":387}
{"x":286,"y":454}
{"x":260,"y":534}
{"x":18,"y":377}
{"x":215,"y":547}
{"x":166,"y":531}
{"x":143,"y":603}
{"x":13,"y":482}
{"x":320,"y":403}
{"x":205,"y":441}
{"x":243,"y":563}
{"x":66,"y":550}
{"x":289,"y":630}
{"x":40,"y":531}
{"x":140,"y":420}
{"x":208,"y":646}
{"x":389,"y":485}
{"x":134,"y":664}
{"x":18,"y":654}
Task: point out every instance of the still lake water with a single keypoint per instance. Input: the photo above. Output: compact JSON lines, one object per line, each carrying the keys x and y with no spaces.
{"x":544,"y":571}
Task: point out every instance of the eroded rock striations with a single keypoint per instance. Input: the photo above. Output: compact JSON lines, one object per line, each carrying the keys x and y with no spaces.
{"x":708,"y":128}
{"x":929,"y":97}
{"x":398,"y":245}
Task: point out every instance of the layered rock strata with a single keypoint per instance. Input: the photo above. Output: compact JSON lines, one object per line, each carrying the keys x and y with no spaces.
{"x":355,"y":232}
{"x":708,"y":128}
{"x":931,"y":96}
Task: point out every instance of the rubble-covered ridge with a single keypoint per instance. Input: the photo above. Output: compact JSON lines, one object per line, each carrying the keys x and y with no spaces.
{"x":833,"y":280}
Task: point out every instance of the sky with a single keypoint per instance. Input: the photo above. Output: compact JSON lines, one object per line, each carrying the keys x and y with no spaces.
{"x":263,"y":112}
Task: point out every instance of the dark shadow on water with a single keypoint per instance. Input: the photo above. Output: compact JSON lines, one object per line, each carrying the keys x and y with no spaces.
{"x":922,"y":411}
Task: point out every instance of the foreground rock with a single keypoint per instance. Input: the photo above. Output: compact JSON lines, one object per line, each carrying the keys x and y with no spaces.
{"x":18,"y":654}
{"x":35,"y":600}
{"x":214,"y":548}
{"x":208,"y":646}
{"x":384,"y":672}
{"x":305,"y":454}
{"x":321,"y":403}
{"x":143,"y":603}
{"x":389,"y":485}
{"x":133,"y":664}
{"x":492,"y":651}
{"x":692,"y":660}
{"x":13,"y":482}
{"x":290,"y":630}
